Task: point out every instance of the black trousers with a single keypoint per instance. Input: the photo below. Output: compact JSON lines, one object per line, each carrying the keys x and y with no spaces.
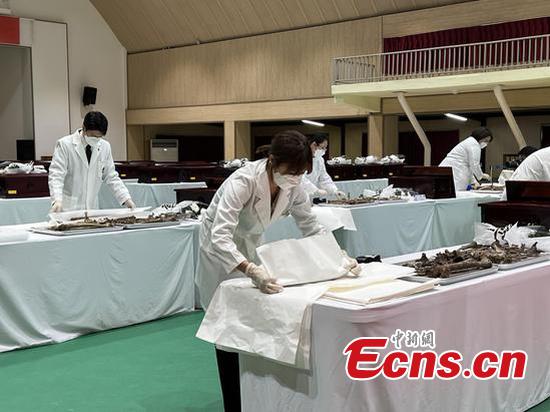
{"x":228,"y":369}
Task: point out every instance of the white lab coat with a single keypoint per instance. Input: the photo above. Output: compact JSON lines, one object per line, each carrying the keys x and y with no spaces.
{"x":318,"y":178}
{"x":464,"y":159}
{"x":75,"y":182}
{"x":237,"y":217}
{"x":535,"y":167}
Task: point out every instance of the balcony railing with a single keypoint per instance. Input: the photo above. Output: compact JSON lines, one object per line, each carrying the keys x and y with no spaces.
{"x":507,"y":54}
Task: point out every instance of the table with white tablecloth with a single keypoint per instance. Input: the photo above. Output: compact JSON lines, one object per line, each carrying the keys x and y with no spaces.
{"x":504,"y":311}
{"x":53,"y":289}
{"x":35,"y":209}
{"x":147,"y":194}
{"x":24,"y":210}
{"x":355,"y":188}
{"x":398,"y":228}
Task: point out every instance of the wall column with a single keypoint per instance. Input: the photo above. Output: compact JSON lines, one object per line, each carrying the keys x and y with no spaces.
{"x":376,"y":134}
{"x":236,"y":139}
{"x":243,"y":140}
{"x":229,"y":132}
{"x":391,"y":135}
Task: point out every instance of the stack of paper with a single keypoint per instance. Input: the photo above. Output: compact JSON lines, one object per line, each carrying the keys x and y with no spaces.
{"x":380,"y":292}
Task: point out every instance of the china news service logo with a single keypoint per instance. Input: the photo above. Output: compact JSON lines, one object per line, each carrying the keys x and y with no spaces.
{"x":364,"y":360}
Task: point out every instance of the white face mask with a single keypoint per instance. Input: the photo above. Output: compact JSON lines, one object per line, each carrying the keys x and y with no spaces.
{"x":286,"y":182}
{"x":320,"y":152}
{"x":91,"y":140}
{"x":483,"y":145}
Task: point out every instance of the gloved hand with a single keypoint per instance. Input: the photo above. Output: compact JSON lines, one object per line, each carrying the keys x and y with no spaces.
{"x":485,"y":176}
{"x":261,"y":279}
{"x":130,"y":204}
{"x":340,"y":194}
{"x":57,"y":207}
{"x":321,"y":193}
{"x":351,"y":265}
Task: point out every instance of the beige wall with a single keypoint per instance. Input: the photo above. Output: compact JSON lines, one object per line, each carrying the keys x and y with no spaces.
{"x":287,"y":65}
{"x":505,"y":143}
{"x":463,"y":15}
{"x":286,"y":76}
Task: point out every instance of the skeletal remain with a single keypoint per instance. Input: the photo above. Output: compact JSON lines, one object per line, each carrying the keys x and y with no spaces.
{"x":471,"y":257}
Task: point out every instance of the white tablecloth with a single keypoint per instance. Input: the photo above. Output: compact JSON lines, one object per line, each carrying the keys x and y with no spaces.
{"x":356,"y":187}
{"x":399,"y":228}
{"x":147,"y":194}
{"x":24,"y":210}
{"x":53,"y":289}
{"x":505,"y":311}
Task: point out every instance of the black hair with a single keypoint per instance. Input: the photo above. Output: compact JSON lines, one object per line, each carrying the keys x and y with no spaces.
{"x":481,"y":133}
{"x":291,"y":148}
{"x":96,"y":121}
{"x":317,"y":138}
{"x":262,"y":151}
{"x":527,"y":150}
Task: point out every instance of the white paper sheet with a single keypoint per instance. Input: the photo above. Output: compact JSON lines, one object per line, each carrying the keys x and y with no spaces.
{"x":298,"y":261}
{"x":371,"y":273}
{"x":379,"y":292}
{"x":277,"y":327}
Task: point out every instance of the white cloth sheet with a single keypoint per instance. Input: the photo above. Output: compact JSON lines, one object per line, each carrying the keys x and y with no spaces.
{"x":87,"y":283}
{"x":241,"y":318}
{"x":504,"y":311}
{"x":333,"y":218}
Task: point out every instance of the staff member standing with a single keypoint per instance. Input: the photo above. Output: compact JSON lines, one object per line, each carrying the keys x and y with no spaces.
{"x":465,"y":158}
{"x":318,"y":182}
{"x":81,"y":162}
{"x":251,"y":199}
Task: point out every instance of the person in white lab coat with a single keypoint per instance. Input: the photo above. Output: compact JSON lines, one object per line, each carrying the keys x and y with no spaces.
{"x":536,"y":167}
{"x":510,"y":167}
{"x":251,"y":199}
{"x":318,"y":183}
{"x":81,"y":162}
{"x":465,"y":158}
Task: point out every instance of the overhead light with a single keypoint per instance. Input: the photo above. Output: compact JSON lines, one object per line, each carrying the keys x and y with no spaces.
{"x":456,"y":117}
{"x":311,"y":122}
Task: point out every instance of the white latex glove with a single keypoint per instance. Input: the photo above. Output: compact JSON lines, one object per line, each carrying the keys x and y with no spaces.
{"x":130,"y":204}
{"x":351,"y":265}
{"x":340,"y":194}
{"x":261,"y":279}
{"x":485,"y":176}
{"x":57,"y":207}
{"x":321,"y":193}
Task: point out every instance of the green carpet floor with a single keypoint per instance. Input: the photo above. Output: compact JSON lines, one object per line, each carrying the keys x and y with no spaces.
{"x":158,"y":367}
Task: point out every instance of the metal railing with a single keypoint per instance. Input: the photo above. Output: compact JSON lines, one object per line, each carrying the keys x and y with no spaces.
{"x":533,"y":51}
